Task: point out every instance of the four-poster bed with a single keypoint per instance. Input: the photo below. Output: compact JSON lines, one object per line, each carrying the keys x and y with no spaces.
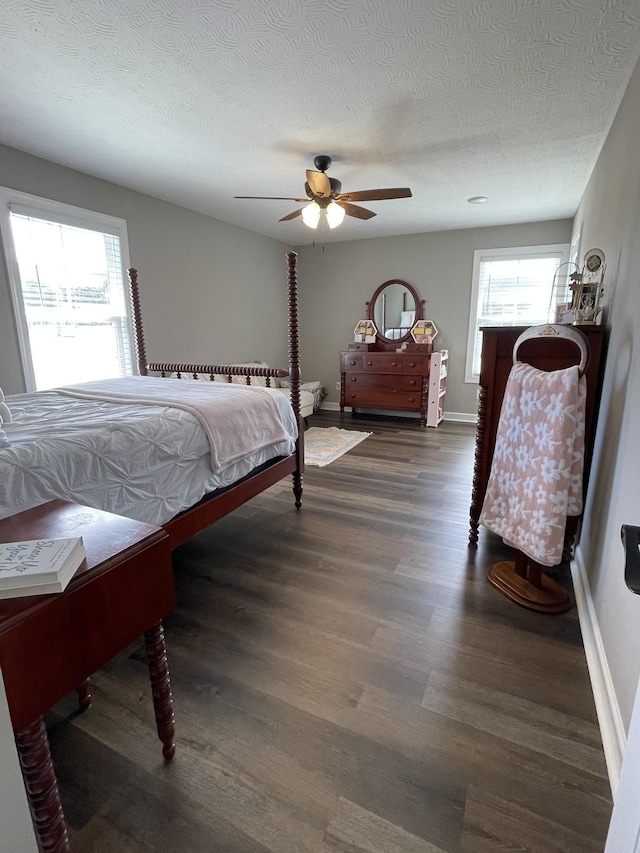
{"x":190,"y":492}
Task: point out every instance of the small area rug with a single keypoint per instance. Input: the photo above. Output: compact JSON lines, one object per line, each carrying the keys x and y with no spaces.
{"x":323,"y":445}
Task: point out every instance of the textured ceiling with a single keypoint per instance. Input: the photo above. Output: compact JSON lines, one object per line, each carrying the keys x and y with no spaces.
{"x":195,"y":101}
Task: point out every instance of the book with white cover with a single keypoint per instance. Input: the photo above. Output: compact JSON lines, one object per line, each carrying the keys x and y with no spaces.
{"x":38,"y":566}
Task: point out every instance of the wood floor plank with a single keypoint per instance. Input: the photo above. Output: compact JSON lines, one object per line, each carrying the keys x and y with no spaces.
{"x":123,"y":806}
{"x":520,"y":721}
{"x":356,"y":830}
{"x":217,"y":792}
{"x":569,"y":795}
{"x":491,"y":823}
{"x":345,"y":679}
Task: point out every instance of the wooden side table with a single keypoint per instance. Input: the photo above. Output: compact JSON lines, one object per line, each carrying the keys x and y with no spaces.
{"x":51,"y":644}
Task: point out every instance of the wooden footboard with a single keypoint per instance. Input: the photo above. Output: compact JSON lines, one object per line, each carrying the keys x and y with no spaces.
{"x":210,"y":371}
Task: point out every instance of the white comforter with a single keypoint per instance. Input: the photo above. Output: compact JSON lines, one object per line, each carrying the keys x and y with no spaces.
{"x":147,"y":461}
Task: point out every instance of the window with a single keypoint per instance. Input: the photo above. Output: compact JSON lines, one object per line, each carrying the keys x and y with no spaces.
{"x":511,"y":287}
{"x":67,"y":277}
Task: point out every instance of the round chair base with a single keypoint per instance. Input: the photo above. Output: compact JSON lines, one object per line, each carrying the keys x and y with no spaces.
{"x":549,"y":597}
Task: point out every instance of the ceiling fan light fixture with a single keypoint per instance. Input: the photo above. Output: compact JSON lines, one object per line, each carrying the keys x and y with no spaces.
{"x":335,"y":214}
{"x":326,"y":205}
{"x":311,"y":214}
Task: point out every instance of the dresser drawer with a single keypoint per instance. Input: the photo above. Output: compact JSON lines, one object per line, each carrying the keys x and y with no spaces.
{"x":384,"y":362}
{"x":384,"y":381}
{"x":376,"y":398}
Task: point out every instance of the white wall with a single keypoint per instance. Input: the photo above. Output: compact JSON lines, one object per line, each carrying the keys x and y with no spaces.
{"x":16,"y":829}
{"x":609,"y":218}
{"x":336,"y":281}
{"x":213,"y":292}
{"x":210,"y":292}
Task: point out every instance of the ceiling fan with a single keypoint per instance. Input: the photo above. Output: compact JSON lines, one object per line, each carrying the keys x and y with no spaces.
{"x":328,"y":202}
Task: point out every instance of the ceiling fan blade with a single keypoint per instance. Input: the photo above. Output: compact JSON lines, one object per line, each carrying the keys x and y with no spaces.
{"x":272,"y":197}
{"x":354,"y":210}
{"x":319,"y":183}
{"x":291,"y":215}
{"x":375,"y":195}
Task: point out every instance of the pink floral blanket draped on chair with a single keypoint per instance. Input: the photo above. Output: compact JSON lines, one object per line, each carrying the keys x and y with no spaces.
{"x":536,"y":474}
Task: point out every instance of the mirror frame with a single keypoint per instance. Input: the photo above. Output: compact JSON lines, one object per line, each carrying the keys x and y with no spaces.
{"x":419,"y":303}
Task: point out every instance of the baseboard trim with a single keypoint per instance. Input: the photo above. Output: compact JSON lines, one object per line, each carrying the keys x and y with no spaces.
{"x":607,"y":708}
{"x":459,"y":417}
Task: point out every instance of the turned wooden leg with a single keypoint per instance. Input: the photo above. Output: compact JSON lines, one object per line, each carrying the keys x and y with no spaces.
{"x":84,"y":695}
{"x":298,"y":476}
{"x":297,"y":489}
{"x":161,"y":688}
{"x":42,"y":788}
{"x":479,"y":474}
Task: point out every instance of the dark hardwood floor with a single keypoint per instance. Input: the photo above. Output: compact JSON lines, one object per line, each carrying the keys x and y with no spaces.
{"x":345,"y":679}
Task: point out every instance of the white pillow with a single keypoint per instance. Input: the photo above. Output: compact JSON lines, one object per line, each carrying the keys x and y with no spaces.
{"x":5,"y":413}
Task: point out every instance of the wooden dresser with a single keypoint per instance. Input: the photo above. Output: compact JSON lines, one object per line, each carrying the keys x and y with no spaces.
{"x":391,"y":381}
{"x":545,"y":353}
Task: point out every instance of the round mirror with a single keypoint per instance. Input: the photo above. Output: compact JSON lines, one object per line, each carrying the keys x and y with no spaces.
{"x":394,"y":309}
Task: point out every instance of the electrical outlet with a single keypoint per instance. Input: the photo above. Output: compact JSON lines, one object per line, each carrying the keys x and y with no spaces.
{"x":337,"y":386}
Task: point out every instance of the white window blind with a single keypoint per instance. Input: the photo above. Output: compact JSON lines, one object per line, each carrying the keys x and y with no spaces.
{"x":511,"y":287}
{"x":67,"y":273}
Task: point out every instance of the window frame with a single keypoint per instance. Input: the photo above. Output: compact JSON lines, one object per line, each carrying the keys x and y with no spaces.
{"x":66,"y":214}
{"x":507,"y":253}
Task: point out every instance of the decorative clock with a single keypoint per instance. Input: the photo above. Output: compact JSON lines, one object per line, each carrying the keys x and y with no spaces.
{"x":586,"y":304}
{"x":594,"y":261}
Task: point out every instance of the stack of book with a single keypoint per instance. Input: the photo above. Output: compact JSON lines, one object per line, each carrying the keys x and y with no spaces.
{"x":38,"y":566}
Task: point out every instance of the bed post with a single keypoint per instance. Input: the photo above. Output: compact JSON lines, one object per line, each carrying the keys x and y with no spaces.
{"x":294,"y":373}
{"x":137,"y":321}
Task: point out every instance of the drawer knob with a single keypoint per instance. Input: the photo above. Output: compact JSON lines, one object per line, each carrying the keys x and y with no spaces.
{"x":394,"y":363}
{"x":412,"y":364}
{"x":353,"y":396}
{"x":412,"y":382}
{"x":369,"y":363}
{"x":412,"y":399}
{"x":353,"y":363}
{"x":354,"y":378}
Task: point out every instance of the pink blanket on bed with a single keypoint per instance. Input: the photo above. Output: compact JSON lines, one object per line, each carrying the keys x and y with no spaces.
{"x":237,"y":419}
{"x":536,"y":474}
